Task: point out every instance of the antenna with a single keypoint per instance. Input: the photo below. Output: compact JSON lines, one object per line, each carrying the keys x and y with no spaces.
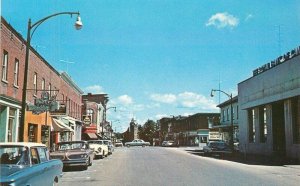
{"x":67,"y":62}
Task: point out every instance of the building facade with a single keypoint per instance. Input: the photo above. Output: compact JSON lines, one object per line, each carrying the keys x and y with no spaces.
{"x":269,"y":108}
{"x":187,"y":131}
{"x":95,"y":109}
{"x":222,"y":130}
{"x":44,"y":82}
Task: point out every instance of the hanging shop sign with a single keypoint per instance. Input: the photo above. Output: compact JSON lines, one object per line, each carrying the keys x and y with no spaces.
{"x":44,"y":104}
{"x":87,"y":120}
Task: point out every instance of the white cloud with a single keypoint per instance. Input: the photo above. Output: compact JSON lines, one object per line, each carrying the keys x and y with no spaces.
{"x":125,"y":100}
{"x":94,"y":89}
{"x":222,"y":20}
{"x":163,"y":98}
{"x":186,"y":99}
{"x":191,"y":100}
{"x":159,"y":116}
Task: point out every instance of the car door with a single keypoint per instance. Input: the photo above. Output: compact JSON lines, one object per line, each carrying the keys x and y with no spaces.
{"x":38,"y":175}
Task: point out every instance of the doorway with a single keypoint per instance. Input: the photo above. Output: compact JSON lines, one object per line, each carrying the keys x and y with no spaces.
{"x":278,"y":127}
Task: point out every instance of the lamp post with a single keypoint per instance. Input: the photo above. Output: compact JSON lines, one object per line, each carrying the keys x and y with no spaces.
{"x":104,"y":114}
{"x":231,"y":114}
{"x":30,"y":31}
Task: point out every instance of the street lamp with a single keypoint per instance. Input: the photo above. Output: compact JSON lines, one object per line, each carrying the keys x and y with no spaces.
{"x":231,"y":114}
{"x":33,"y":27}
{"x":104,"y":114}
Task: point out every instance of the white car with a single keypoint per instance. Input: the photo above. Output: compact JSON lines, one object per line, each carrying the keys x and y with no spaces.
{"x":137,"y":142}
{"x":100,"y":149}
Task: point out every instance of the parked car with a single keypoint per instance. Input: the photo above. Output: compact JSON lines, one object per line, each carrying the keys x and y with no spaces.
{"x":24,"y":163}
{"x":118,"y":144}
{"x":137,"y":142}
{"x":100,"y":149}
{"x":74,"y":153}
{"x":110,"y":146}
{"x":216,"y":147}
{"x":169,"y":144}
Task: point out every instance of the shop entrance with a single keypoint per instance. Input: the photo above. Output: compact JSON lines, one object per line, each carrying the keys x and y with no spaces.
{"x":278,"y":126}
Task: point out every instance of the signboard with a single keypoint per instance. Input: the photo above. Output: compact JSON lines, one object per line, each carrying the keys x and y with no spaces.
{"x":62,"y":110}
{"x":87,"y":120}
{"x":44,"y":104}
{"x":214,"y":136}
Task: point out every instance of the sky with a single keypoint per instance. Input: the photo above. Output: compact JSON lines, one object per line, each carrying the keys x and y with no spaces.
{"x":159,"y":58}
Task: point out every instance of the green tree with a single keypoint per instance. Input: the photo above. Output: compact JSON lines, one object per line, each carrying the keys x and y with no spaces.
{"x":148,"y":131}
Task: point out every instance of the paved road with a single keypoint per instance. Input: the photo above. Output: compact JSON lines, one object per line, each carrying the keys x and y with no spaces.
{"x":155,"y":166}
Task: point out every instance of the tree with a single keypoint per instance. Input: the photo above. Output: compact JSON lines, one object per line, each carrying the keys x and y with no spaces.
{"x":148,"y":131}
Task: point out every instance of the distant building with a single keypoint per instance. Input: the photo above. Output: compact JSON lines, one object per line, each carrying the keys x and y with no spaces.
{"x":132,"y":131}
{"x":269,"y":108}
{"x":188,"y":131}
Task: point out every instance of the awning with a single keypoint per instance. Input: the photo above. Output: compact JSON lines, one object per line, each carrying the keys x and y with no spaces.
{"x":92,"y":135}
{"x":71,"y":120}
{"x":58,"y":125}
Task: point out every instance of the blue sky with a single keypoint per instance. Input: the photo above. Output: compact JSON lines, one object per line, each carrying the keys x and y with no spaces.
{"x":159,"y":58}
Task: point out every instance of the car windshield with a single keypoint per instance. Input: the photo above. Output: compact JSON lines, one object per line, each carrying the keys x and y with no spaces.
{"x":16,"y":155}
{"x":95,"y":142}
{"x":68,"y":146}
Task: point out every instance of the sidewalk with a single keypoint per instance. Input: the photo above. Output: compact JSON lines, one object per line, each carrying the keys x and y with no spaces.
{"x":250,"y":159}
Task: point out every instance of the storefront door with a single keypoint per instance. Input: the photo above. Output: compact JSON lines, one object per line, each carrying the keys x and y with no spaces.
{"x":278,"y":126}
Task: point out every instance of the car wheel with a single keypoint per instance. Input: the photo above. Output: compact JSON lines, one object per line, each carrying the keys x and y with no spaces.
{"x":85,"y":167}
{"x":55,"y":181}
{"x":143,"y":145}
{"x":128,"y":146}
{"x":90,"y":162}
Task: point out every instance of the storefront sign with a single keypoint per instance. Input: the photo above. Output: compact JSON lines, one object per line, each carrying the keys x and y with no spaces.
{"x":86,"y":120}
{"x":62,"y":110}
{"x":214,"y":136}
{"x":277,"y":61}
{"x":44,"y":104}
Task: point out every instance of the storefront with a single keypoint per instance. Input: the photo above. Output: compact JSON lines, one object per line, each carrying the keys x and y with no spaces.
{"x":269,"y":107}
{"x":9,"y":119}
{"x":90,"y":132}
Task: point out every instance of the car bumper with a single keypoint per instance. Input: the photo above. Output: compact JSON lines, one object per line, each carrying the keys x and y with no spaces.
{"x":71,"y":163}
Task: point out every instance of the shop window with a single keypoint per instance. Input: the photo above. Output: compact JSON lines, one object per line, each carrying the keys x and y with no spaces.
{"x":296,"y":119}
{"x":11,"y":123}
{"x":32,"y":133}
{"x":45,"y":134}
{"x":263,"y":124}
{"x":4,"y":65}
{"x":251,"y":122}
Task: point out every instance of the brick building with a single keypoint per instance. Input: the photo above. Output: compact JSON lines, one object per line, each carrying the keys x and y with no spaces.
{"x":42,"y":77}
{"x":188,"y":131}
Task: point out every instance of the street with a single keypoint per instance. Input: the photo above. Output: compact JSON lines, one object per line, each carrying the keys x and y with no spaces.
{"x":175,"y":166}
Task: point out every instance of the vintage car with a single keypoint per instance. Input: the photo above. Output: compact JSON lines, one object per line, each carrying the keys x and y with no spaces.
{"x":118,"y":144}
{"x":169,"y":144}
{"x":137,"y":142}
{"x":74,"y":153}
{"x":216,"y":148}
{"x":110,"y":146}
{"x":100,"y":149}
{"x":24,"y":163}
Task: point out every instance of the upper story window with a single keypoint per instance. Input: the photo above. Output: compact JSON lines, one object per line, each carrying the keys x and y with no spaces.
{"x":49,"y":89}
{"x":90,"y":112}
{"x":35,"y":83}
{"x":43,"y":84}
{"x":4,"y":65}
{"x":223,"y":115}
{"x":16,"y":72}
{"x":227,"y":113}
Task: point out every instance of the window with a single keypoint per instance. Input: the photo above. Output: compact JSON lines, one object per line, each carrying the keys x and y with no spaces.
{"x":49,"y":88}
{"x":43,"y":84}
{"x":227,"y":114}
{"x":296,"y":119}
{"x":251,"y":119}
{"x":16,"y":72}
{"x":35,"y":83}
{"x":263,"y":124}
{"x":4,"y":65}
{"x":232,"y":113}
{"x":90,"y":112}
{"x":42,"y":154}
{"x":237,"y":112}
{"x":34,"y":156}
{"x":223,"y":118}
